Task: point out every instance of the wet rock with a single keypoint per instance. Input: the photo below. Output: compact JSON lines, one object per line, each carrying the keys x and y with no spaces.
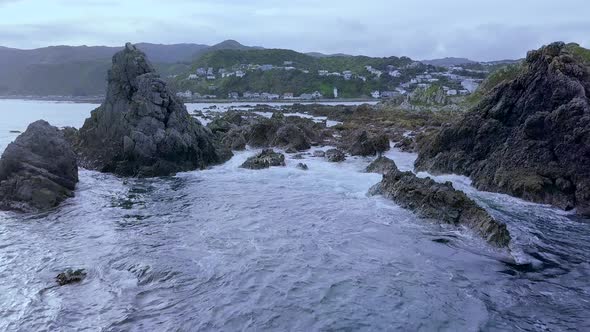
{"x":298,"y":156}
{"x":70,"y":276}
{"x":234,"y":139}
{"x":407,"y":144}
{"x":265,"y":159}
{"x":319,"y":154}
{"x":141,"y":129}
{"x":38,"y":170}
{"x":302,"y":166}
{"x":441,"y":202}
{"x":15,"y":131}
{"x":335,"y":155}
{"x":529,"y":137}
{"x":381,"y":165}
{"x":363,"y":144}
{"x":292,"y":137}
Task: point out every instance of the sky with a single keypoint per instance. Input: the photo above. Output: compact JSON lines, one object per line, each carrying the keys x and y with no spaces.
{"x":421,"y":29}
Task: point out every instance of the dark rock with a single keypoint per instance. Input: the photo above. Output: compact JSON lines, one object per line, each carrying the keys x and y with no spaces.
{"x":263,"y":132}
{"x":319,"y":153}
{"x":407,"y":144}
{"x":14,"y":131}
{"x":362,"y":144}
{"x":291,"y":136}
{"x":298,"y":156}
{"x":70,"y":276}
{"x":38,"y":170}
{"x":234,"y":139}
{"x":381,"y":165}
{"x":302,"y":166}
{"x":529,"y":137}
{"x":335,"y":155}
{"x":265,"y":159}
{"x":141,"y":129}
{"x":440,"y":201}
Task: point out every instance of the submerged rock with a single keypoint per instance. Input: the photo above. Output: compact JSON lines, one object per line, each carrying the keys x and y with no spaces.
{"x":70,"y":276}
{"x":319,"y":154}
{"x":38,"y":170}
{"x":265,"y":159}
{"x":529,"y":136}
{"x":302,"y":166}
{"x":335,"y":156}
{"x":381,"y":165}
{"x":440,"y":201}
{"x":141,"y":129}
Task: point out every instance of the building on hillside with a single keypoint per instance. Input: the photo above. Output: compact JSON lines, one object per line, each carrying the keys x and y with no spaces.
{"x":335,"y":93}
{"x":266,"y":67}
{"x":316,"y":95}
{"x":186,"y":95}
{"x":305,"y":71}
{"x":323,"y":72}
{"x":192,"y":76}
{"x":240,"y":74}
{"x":375,"y":94}
{"x":288,"y":95}
{"x":390,"y":94}
{"x":209,"y":71}
{"x":290,"y":68}
{"x":452,"y":92}
{"x":335,"y":74}
{"x":210,"y":77}
{"x":464,"y":92}
{"x":233,"y":95}
{"x":362,"y":78}
{"x":202,"y":72}
{"x":306,"y":96}
{"x":347,"y":75}
{"x":269,"y":96}
{"x":287,"y":63}
{"x":251,"y":95}
{"x":395,"y":73}
{"x":221,"y":72}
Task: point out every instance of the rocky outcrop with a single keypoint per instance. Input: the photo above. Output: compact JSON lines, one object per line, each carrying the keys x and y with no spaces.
{"x":38,"y":170}
{"x":141,"y":129}
{"x":381,"y":165}
{"x":265,"y":159}
{"x":529,"y":137}
{"x":363,"y":144}
{"x":441,"y":202}
{"x":302,"y":166}
{"x":335,"y":156}
{"x":70,"y":276}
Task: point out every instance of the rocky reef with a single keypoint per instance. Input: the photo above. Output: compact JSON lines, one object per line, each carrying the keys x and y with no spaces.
{"x":265,"y":159}
{"x":38,"y":170}
{"x":529,"y":136}
{"x":141,"y":129}
{"x":381,"y":165}
{"x":441,"y":202}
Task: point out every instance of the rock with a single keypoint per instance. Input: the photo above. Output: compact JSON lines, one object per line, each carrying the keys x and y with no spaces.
{"x":364,"y":145}
{"x":298,"y":156}
{"x":407,"y":144}
{"x":265,"y":159}
{"x":141,"y":129}
{"x":291,"y":136}
{"x":70,"y":276}
{"x":335,"y":155}
{"x":302,"y":166}
{"x":234,"y":139}
{"x":14,"y":131}
{"x":528,"y":137}
{"x":381,"y":165}
{"x":319,"y":153}
{"x":263,"y":132}
{"x":38,"y":170}
{"x":440,"y":201}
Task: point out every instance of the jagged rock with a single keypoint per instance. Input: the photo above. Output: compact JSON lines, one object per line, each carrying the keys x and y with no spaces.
{"x":319,"y":154}
{"x":141,"y":129}
{"x":265,"y":159}
{"x":381,"y":165}
{"x":335,"y":156}
{"x":406,"y":144}
{"x":38,"y":170}
{"x":263,"y":132}
{"x":291,"y":136}
{"x":70,"y":276}
{"x":440,"y":201}
{"x":302,"y":166}
{"x":298,"y":156}
{"x":362,"y":144}
{"x":529,"y":137}
{"x":234,"y":139}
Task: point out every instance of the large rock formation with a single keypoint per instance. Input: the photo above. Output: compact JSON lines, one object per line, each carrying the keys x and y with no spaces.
{"x":38,"y":170}
{"x":441,"y":202}
{"x":361,"y":143}
{"x":265,"y":159}
{"x":141,"y":129}
{"x":529,"y":136}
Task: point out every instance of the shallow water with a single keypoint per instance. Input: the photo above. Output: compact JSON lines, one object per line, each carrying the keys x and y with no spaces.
{"x":281,"y":249}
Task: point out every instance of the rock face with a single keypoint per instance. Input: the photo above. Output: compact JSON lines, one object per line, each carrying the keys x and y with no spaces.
{"x":335,"y":156}
{"x":440,"y":201}
{"x":141,"y":129}
{"x":362,"y":144}
{"x":381,"y":165}
{"x":265,"y":159}
{"x":529,"y":137}
{"x":38,"y":170}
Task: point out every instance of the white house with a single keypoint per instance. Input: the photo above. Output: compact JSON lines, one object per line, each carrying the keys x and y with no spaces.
{"x":316,"y":95}
{"x":322,"y":72}
{"x":192,"y":76}
{"x":395,"y":73}
{"x":452,"y":92}
{"x":240,"y":74}
{"x":375,"y":94}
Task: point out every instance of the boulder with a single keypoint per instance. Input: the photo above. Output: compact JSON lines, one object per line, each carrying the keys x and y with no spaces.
{"x":265,"y":159}
{"x":441,"y":202}
{"x":234,"y":139}
{"x":38,"y":170}
{"x":141,"y":129}
{"x":302,"y":166}
{"x":363,"y":144}
{"x":70,"y":276}
{"x":291,"y":136}
{"x":529,"y":136}
{"x":319,"y":153}
{"x":335,"y":156}
{"x":381,"y":165}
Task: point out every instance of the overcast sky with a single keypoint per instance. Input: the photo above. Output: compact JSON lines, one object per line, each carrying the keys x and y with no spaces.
{"x":421,"y":29}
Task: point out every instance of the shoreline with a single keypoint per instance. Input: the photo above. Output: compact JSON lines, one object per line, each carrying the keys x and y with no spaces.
{"x":100,"y":99}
